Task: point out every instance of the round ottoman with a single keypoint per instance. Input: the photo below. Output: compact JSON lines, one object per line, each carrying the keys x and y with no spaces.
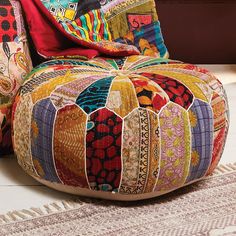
{"x":124,"y":129}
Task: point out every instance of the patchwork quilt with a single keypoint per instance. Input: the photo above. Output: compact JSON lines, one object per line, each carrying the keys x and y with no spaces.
{"x":85,"y":29}
{"x":135,"y":22}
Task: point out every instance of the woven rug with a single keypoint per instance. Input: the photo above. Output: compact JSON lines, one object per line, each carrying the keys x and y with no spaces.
{"x":204,"y":208}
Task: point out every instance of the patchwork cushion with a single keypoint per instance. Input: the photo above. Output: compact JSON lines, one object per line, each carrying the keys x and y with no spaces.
{"x":135,"y":22}
{"x":15,"y":63}
{"x":125,"y":129}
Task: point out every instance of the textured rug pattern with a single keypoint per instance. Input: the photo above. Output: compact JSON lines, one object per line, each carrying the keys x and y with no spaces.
{"x":205,"y":208}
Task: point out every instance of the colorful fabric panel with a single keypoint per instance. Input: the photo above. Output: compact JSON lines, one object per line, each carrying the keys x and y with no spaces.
{"x":136,"y":23}
{"x":72,"y":29}
{"x":86,"y":29}
{"x":82,"y":19}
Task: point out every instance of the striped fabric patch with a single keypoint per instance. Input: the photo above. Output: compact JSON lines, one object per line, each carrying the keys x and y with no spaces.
{"x":90,"y":27}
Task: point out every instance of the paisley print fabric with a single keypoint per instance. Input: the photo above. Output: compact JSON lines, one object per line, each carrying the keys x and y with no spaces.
{"x":22,"y":143}
{"x":138,"y":126}
{"x":15,"y":63}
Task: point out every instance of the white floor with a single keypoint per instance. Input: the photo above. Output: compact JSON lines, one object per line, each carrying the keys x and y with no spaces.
{"x":19,"y":191}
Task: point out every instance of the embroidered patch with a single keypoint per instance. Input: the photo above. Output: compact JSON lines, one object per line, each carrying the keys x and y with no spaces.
{"x":137,"y":21}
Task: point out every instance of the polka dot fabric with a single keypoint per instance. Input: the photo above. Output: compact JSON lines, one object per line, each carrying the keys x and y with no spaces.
{"x":15,"y":63}
{"x":8,"y":27}
{"x":124,"y":129}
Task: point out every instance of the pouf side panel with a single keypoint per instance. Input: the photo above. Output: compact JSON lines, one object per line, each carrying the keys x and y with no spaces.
{"x":175,"y":147}
{"x":154,"y":152}
{"x":69,"y":146}
{"x":44,"y":114}
{"x":140,"y":152}
{"x":22,"y":133}
{"x":221,"y":126}
{"x":201,"y":120}
{"x":103,"y":150}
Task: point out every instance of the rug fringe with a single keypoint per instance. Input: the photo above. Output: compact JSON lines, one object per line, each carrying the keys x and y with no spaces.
{"x":33,"y":212}
{"x":57,"y":207}
{"x":224,"y":168}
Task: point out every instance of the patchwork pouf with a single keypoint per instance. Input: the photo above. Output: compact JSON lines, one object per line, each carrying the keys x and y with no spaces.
{"x":124,"y":129}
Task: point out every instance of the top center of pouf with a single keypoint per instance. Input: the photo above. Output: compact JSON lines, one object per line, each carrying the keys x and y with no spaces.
{"x":120,"y":73}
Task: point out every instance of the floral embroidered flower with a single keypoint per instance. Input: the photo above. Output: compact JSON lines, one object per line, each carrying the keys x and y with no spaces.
{"x":192,"y":118}
{"x":195,"y":158}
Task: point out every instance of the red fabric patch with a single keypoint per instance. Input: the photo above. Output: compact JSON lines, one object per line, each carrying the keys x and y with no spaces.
{"x":103,"y":154}
{"x":138,"y":20}
{"x":8,"y":27}
{"x":176,"y":91}
{"x":68,"y":177}
{"x":48,"y":40}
